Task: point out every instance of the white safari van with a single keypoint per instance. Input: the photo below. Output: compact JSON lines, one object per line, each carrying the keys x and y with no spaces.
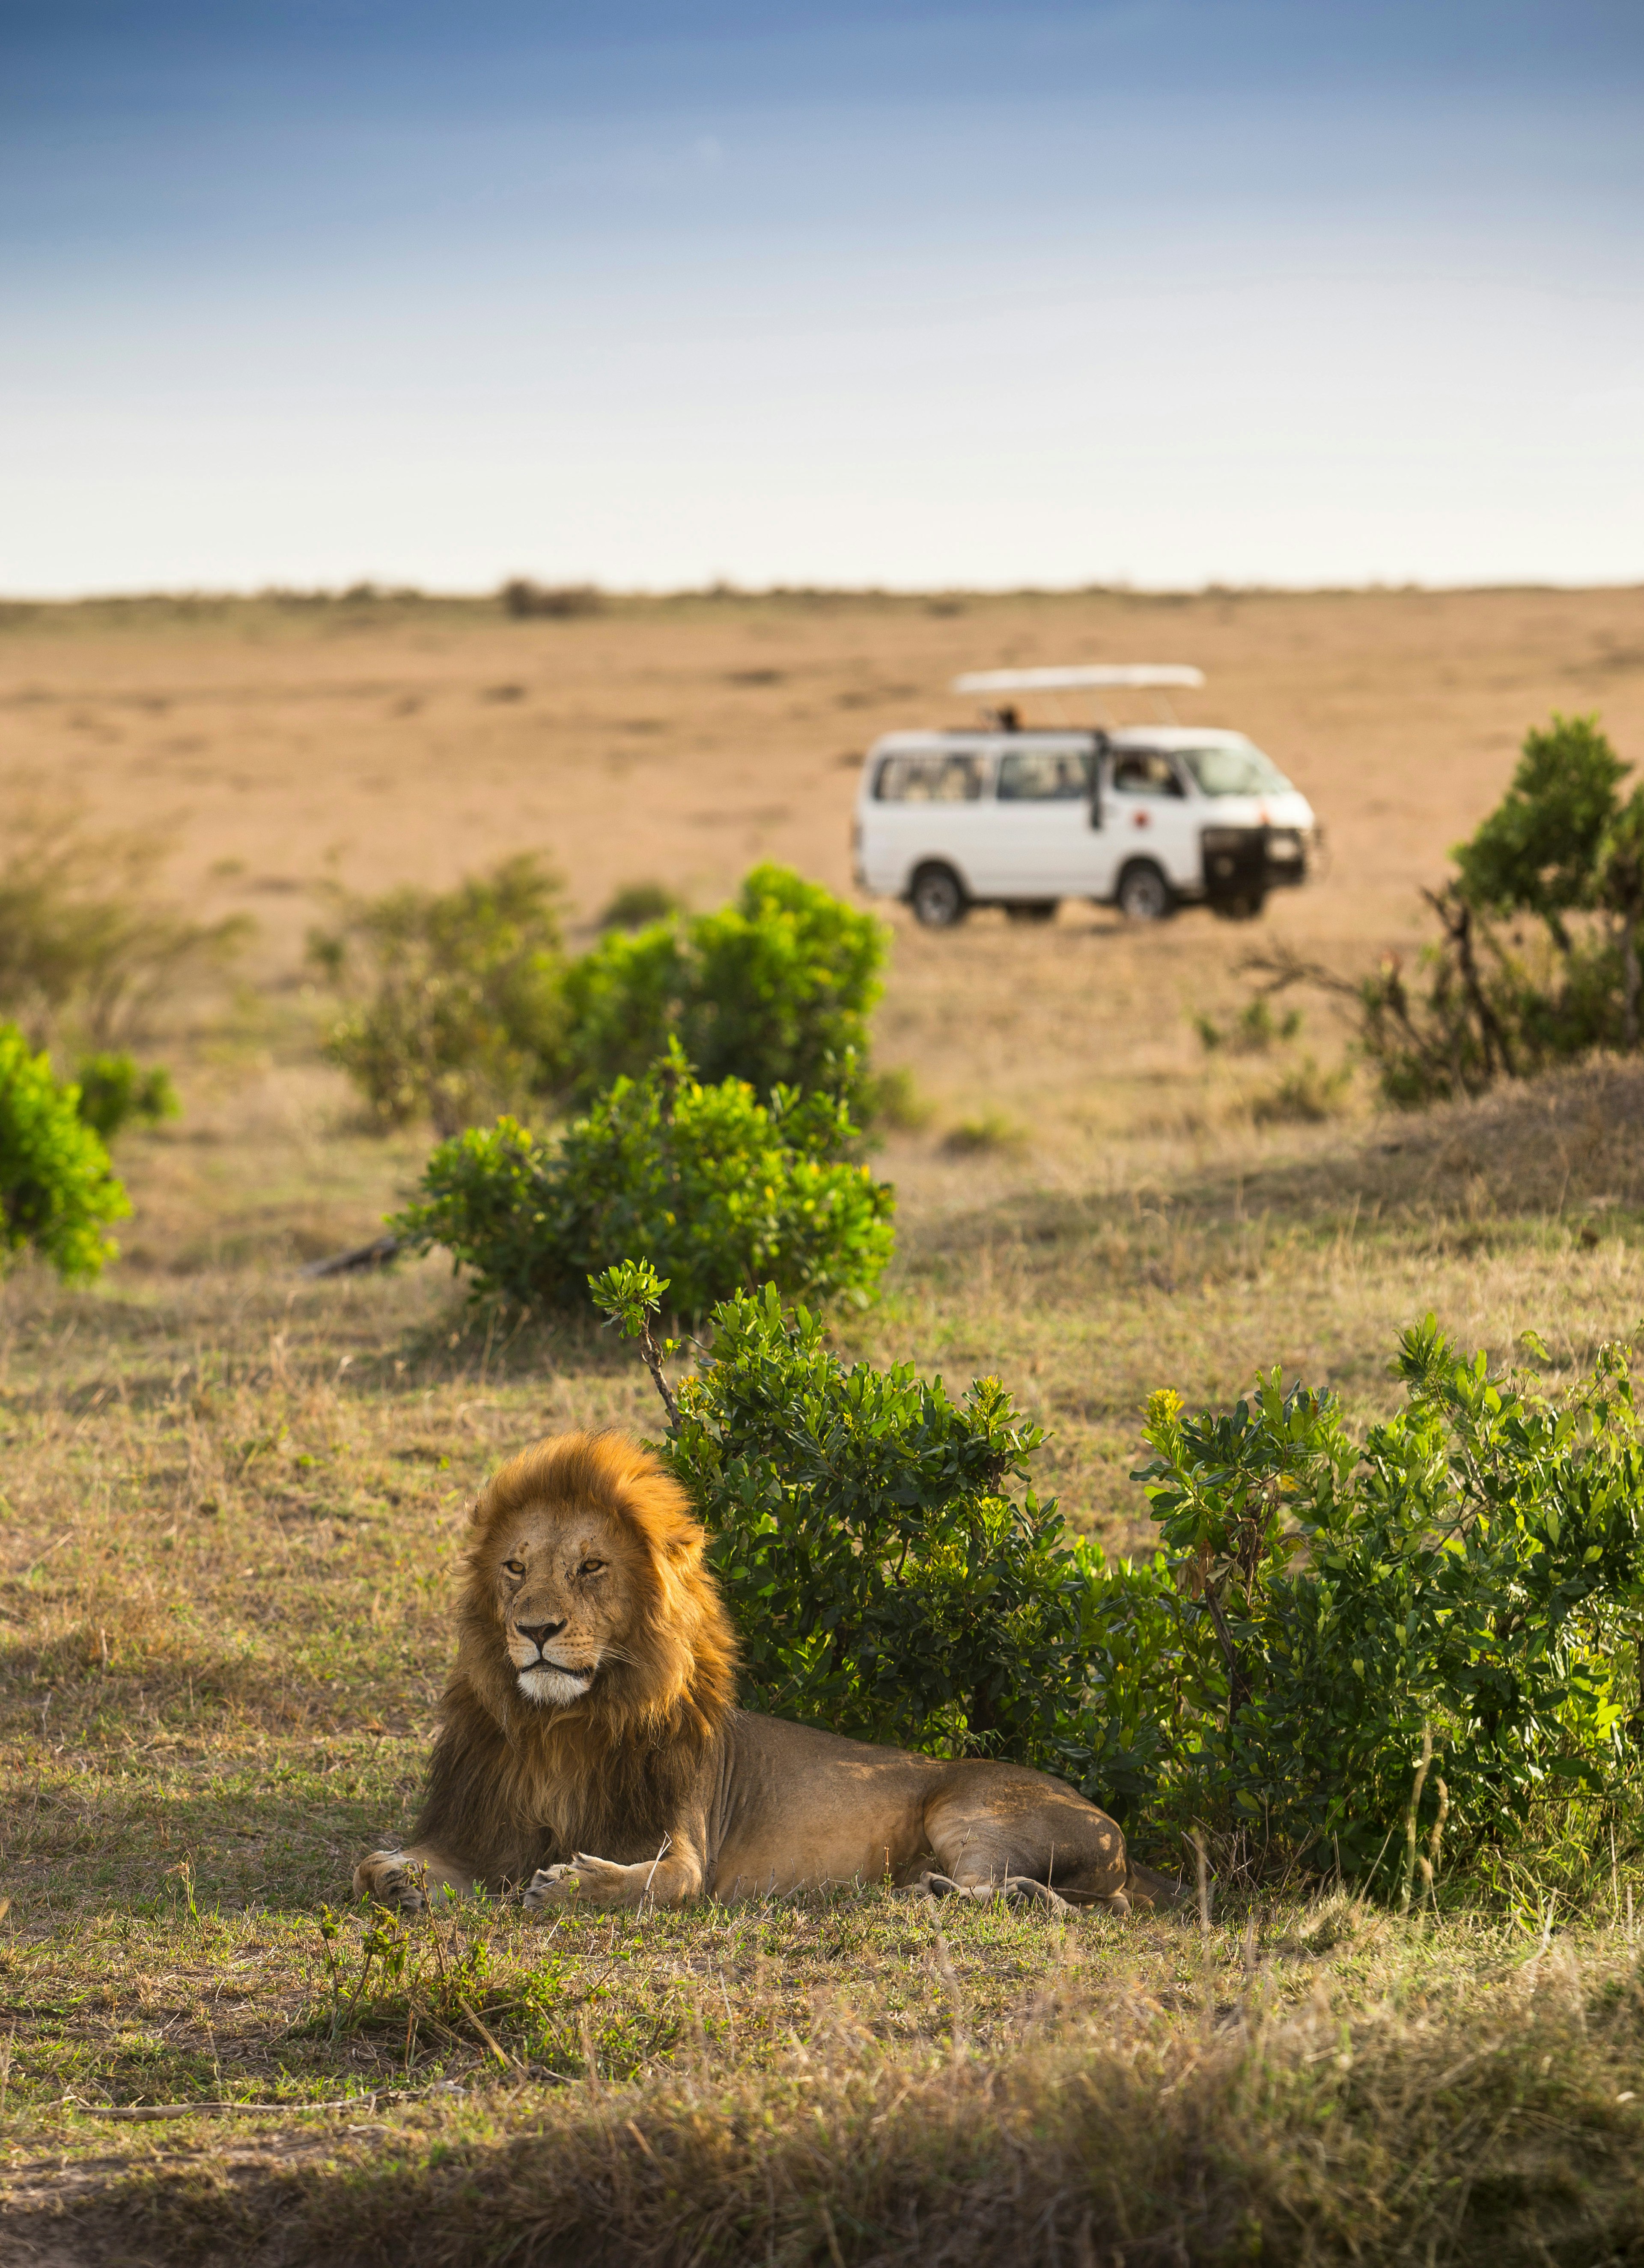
{"x":1143,"y":817}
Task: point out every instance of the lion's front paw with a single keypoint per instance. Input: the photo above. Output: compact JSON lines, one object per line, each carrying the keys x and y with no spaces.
{"x":594,"y":1881}
{"x":390,"y":1880}
{"x":551,"y":1886}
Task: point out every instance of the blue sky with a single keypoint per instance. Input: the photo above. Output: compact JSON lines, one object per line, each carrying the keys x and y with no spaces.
{"x":908,"y":294}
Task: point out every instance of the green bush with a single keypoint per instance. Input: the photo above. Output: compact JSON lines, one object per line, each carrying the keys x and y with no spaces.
{"x":1474,"y":1573}
{"x":1467,"y":1585}
{"x":1305,"y":1095}
{"x":636,"y":905}
{"x":87,"y":947}
{"x":460,"y":1004}
{"x":774,"y":988}
{"x":456,"y":1004}
{"x":723,"y":1191}
{"x":57,"y":1192}
{"x":1541,"y":935}
{"x":1561,"y":861}
{"x":1254,"y":1031}
{"x":1539,"y":851}
{"x":115,"y":1092}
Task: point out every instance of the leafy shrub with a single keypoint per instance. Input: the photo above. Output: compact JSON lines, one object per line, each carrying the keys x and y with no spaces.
{"x":462,"y":1003}
{"x":1561,"y":861}
{"x":115,"y":1092}
{"x":774,"y":989}
{"x":1253,"y":1031}
{"x":1471,"y":1578}
{"x":1539,"y":852}
{"x":57,"y":1192}
{"x":884,"y":1582}
{"x":893,"y":1098}
{"x":86,"y":944}
{"x":457,"y":1004}
{"x":987,"y":1132}
{"x":1467,"y":1586}
{"x":1304,"y":1096}
{"x":638,"y":904}
{"x":724,"y":1190}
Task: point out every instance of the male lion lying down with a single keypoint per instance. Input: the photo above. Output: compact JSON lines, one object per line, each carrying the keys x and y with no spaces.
{"x":591,"y":1747}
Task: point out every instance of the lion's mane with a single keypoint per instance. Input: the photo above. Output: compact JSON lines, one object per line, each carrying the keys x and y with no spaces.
{"x":506,"y":1777}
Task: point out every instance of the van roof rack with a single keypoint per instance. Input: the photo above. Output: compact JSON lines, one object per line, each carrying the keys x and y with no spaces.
{"x":1139,"y":673}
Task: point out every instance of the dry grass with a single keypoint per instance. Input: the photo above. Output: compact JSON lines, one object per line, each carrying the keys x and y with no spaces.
{"x":229,"y":1497}
{"x":871,"y":2079}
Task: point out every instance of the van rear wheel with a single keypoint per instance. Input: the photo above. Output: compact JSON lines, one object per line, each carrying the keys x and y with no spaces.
{"x":1144,"y":895}
{"x":938,"y":898}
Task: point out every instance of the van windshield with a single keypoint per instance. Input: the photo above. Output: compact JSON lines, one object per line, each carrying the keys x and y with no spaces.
{"x":1236,"y":768}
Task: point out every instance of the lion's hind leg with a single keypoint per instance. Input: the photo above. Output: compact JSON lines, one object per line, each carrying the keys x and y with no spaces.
{"x":998,"y":1830}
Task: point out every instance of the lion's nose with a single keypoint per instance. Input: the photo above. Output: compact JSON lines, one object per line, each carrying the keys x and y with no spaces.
{"x":539,"y":1632}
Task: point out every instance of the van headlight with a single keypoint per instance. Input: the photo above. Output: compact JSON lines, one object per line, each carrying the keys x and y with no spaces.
{"x":1284,"y":846}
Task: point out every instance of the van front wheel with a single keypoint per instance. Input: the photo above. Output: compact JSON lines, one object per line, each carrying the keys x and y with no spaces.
{"x":1144,"y":895}
{"x":938,"y":898}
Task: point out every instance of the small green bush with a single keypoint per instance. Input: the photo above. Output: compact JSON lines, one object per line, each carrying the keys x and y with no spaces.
{"x":1560,"y":861}
{"x":1304,"y":1096}
{"x":456,"y":1004}
{"x":57,"y":1192}
{"x":1469,"y":1583}
{"x":893,"y":1098}
{"x":774,"y":988}
{"x":723,"y":1191}
{"x":637,"y":905}
{"x":987,"y":1133}
{"x":1255,"y":1030}
{"x":87,"y":948}
{"x":884,"y":1582}
{"x":460,"y":1004}
{"x":1386,"y":1658}
{"x":115,"y":1092}
{"x":1539,"y":851}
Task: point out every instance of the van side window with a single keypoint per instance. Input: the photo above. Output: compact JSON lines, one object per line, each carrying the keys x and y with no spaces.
{"x":1145,"y":771}
{"x":1041,"y":776}
{"x":953,"y":778}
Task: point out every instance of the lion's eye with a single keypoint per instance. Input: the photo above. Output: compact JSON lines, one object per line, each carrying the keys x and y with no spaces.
{"x":514,"y":1566}
{"x":591,"y":1567}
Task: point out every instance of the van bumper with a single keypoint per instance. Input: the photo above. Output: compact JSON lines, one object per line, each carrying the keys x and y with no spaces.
{"x":1241,"y":863}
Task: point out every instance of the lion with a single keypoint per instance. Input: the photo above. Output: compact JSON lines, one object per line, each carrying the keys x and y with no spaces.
{"x":590,"y":1748}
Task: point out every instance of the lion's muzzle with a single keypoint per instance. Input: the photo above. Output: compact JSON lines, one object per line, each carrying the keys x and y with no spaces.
{"x":543,"y":1676}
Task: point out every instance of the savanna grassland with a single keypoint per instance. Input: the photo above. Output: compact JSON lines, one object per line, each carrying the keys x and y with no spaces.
{"x":232,"y":1496}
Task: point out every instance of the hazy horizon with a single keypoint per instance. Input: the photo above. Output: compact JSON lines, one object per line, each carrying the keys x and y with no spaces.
{"x":1243,"y":292}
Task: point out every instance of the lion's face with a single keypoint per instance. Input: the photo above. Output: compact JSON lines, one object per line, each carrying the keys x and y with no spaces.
{"x":564,"y":1587}
{"x":587,"y":1597}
